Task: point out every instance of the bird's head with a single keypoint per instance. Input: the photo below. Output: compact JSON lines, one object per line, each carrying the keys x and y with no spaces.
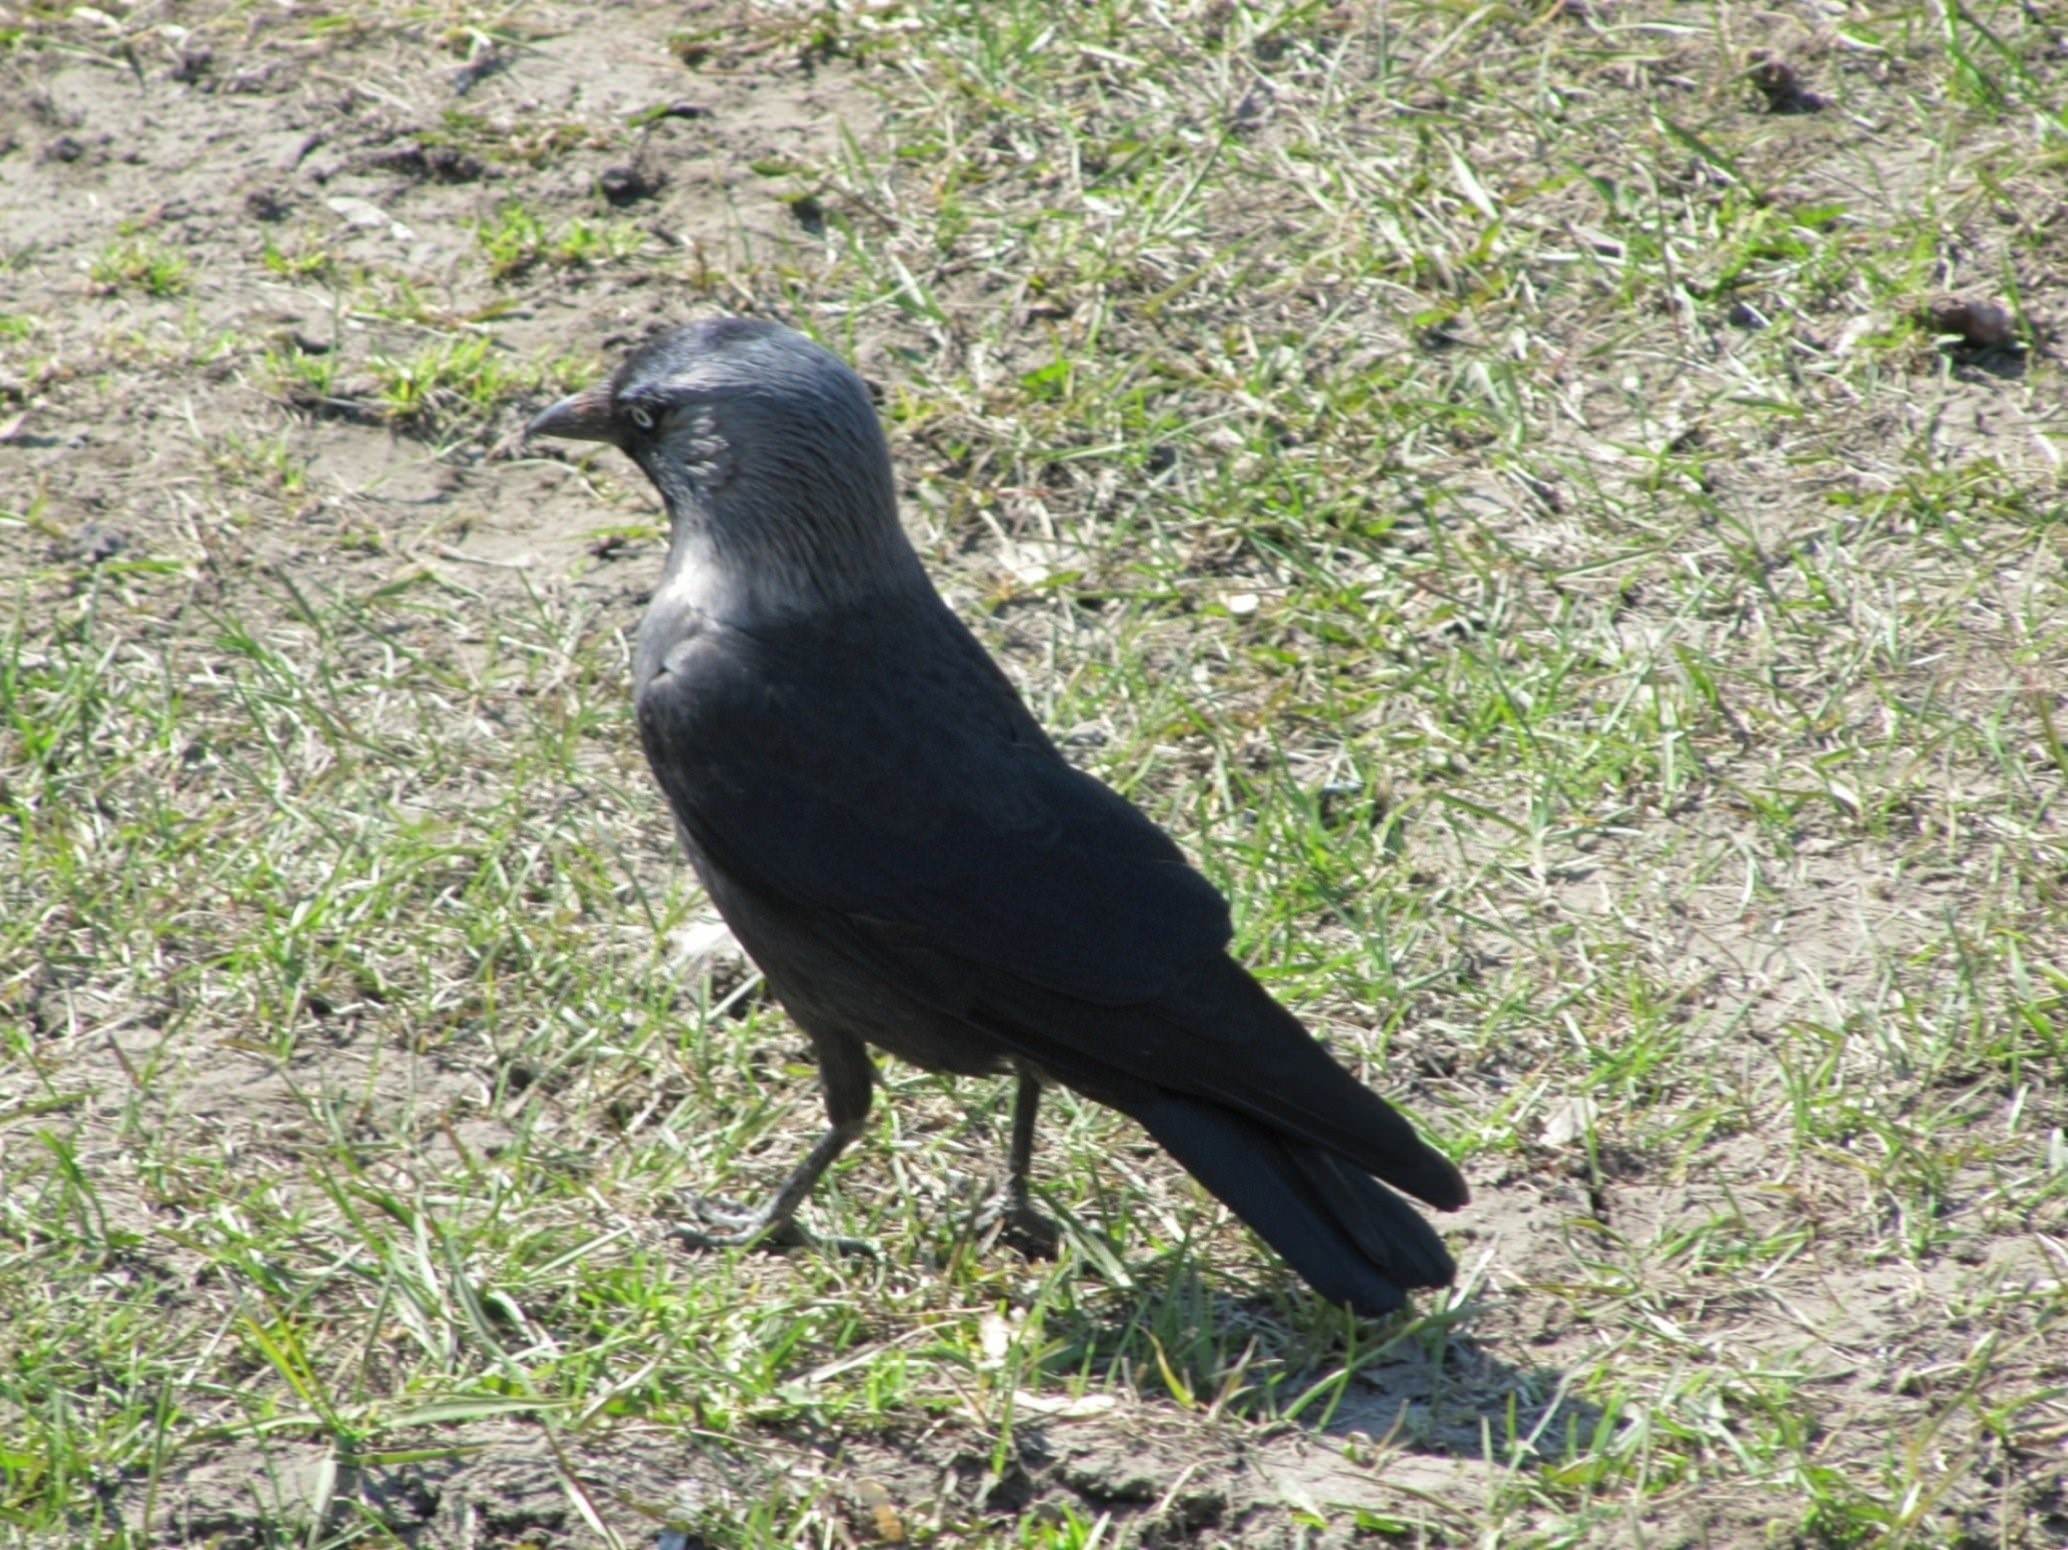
{"x":767,"y":453}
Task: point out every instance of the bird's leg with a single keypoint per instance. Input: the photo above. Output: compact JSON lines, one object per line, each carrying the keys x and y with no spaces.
{"x":1013,"y":1216}
{"x":849,"y":1082}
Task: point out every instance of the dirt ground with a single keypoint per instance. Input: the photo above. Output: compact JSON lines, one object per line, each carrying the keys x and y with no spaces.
{"x":244,"y":242}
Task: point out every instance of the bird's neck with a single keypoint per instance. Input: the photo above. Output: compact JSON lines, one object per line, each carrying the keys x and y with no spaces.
{"x":758,"y":574}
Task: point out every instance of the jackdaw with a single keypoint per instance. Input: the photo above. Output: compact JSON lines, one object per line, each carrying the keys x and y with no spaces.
{"x":909,"y":860}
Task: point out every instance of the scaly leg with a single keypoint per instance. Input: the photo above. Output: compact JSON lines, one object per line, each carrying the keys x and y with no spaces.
{"x":848,"y":1081}
{"x":1013,"y":1216}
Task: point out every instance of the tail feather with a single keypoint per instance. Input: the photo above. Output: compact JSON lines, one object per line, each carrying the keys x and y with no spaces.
{"x":1304,"y":1091}
{"x":1348,"y":1236}
{"x":1385,"y":1228}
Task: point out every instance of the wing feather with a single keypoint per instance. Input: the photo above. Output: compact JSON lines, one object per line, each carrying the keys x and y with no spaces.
{"x":921,"y":795}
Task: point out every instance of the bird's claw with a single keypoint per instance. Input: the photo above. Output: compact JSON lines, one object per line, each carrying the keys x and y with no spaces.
{"x":726,"y":1225}
{"x":1012,"y":1220}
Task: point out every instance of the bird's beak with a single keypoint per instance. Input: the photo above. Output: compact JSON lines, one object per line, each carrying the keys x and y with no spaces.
{"x":583,"y":416}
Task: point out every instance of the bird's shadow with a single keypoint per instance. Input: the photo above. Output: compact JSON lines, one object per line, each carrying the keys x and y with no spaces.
{"x":1420,"y":1380}
{"x":1973,"y":363}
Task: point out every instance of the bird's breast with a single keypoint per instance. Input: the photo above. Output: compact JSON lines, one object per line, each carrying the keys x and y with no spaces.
{"x":668,"y":637}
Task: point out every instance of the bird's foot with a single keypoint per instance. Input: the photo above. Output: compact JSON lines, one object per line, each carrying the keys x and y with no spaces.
{"x":1012,"y":1220}
{"x":724,"y":1224}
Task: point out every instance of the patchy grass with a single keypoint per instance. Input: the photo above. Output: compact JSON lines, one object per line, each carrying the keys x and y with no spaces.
{"x":458,"y":377}
{"x":1503,"y":488}
{"x":517,"y":239}
{"x":142,"y":264}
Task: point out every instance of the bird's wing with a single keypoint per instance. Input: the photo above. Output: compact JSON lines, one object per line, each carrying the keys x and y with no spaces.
{"x":909,"y":809}
{"x":917,"y":795}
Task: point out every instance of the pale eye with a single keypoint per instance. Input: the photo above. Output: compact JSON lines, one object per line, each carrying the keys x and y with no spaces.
{"x":640,"y":417}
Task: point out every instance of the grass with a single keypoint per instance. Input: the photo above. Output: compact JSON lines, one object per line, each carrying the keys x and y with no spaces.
{"x":1476,"y":476}
{"x":517,"y":240}
{"x":140,"y":263}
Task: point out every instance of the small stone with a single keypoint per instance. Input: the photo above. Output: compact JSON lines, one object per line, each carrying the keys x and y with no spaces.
{"x":627,"y":185}
{"x":1972,"y":320}
{"x":94,"y":544}
{"x":193,"y":65}
{"x":1781,"y":85}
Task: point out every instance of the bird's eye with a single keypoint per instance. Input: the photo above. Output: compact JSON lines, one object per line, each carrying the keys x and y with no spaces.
{"x":642,"y":418}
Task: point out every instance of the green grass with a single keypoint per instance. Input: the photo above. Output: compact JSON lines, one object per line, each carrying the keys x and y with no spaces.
{"x":1476,"y":476}
{"x":518,"y":240}
{"x":142,"y":264}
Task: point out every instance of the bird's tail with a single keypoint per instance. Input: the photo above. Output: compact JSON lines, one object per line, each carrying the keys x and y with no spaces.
{"x":1349,"y":1237}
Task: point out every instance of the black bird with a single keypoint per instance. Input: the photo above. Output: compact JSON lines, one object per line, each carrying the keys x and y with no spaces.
{"x":909,"y":860}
